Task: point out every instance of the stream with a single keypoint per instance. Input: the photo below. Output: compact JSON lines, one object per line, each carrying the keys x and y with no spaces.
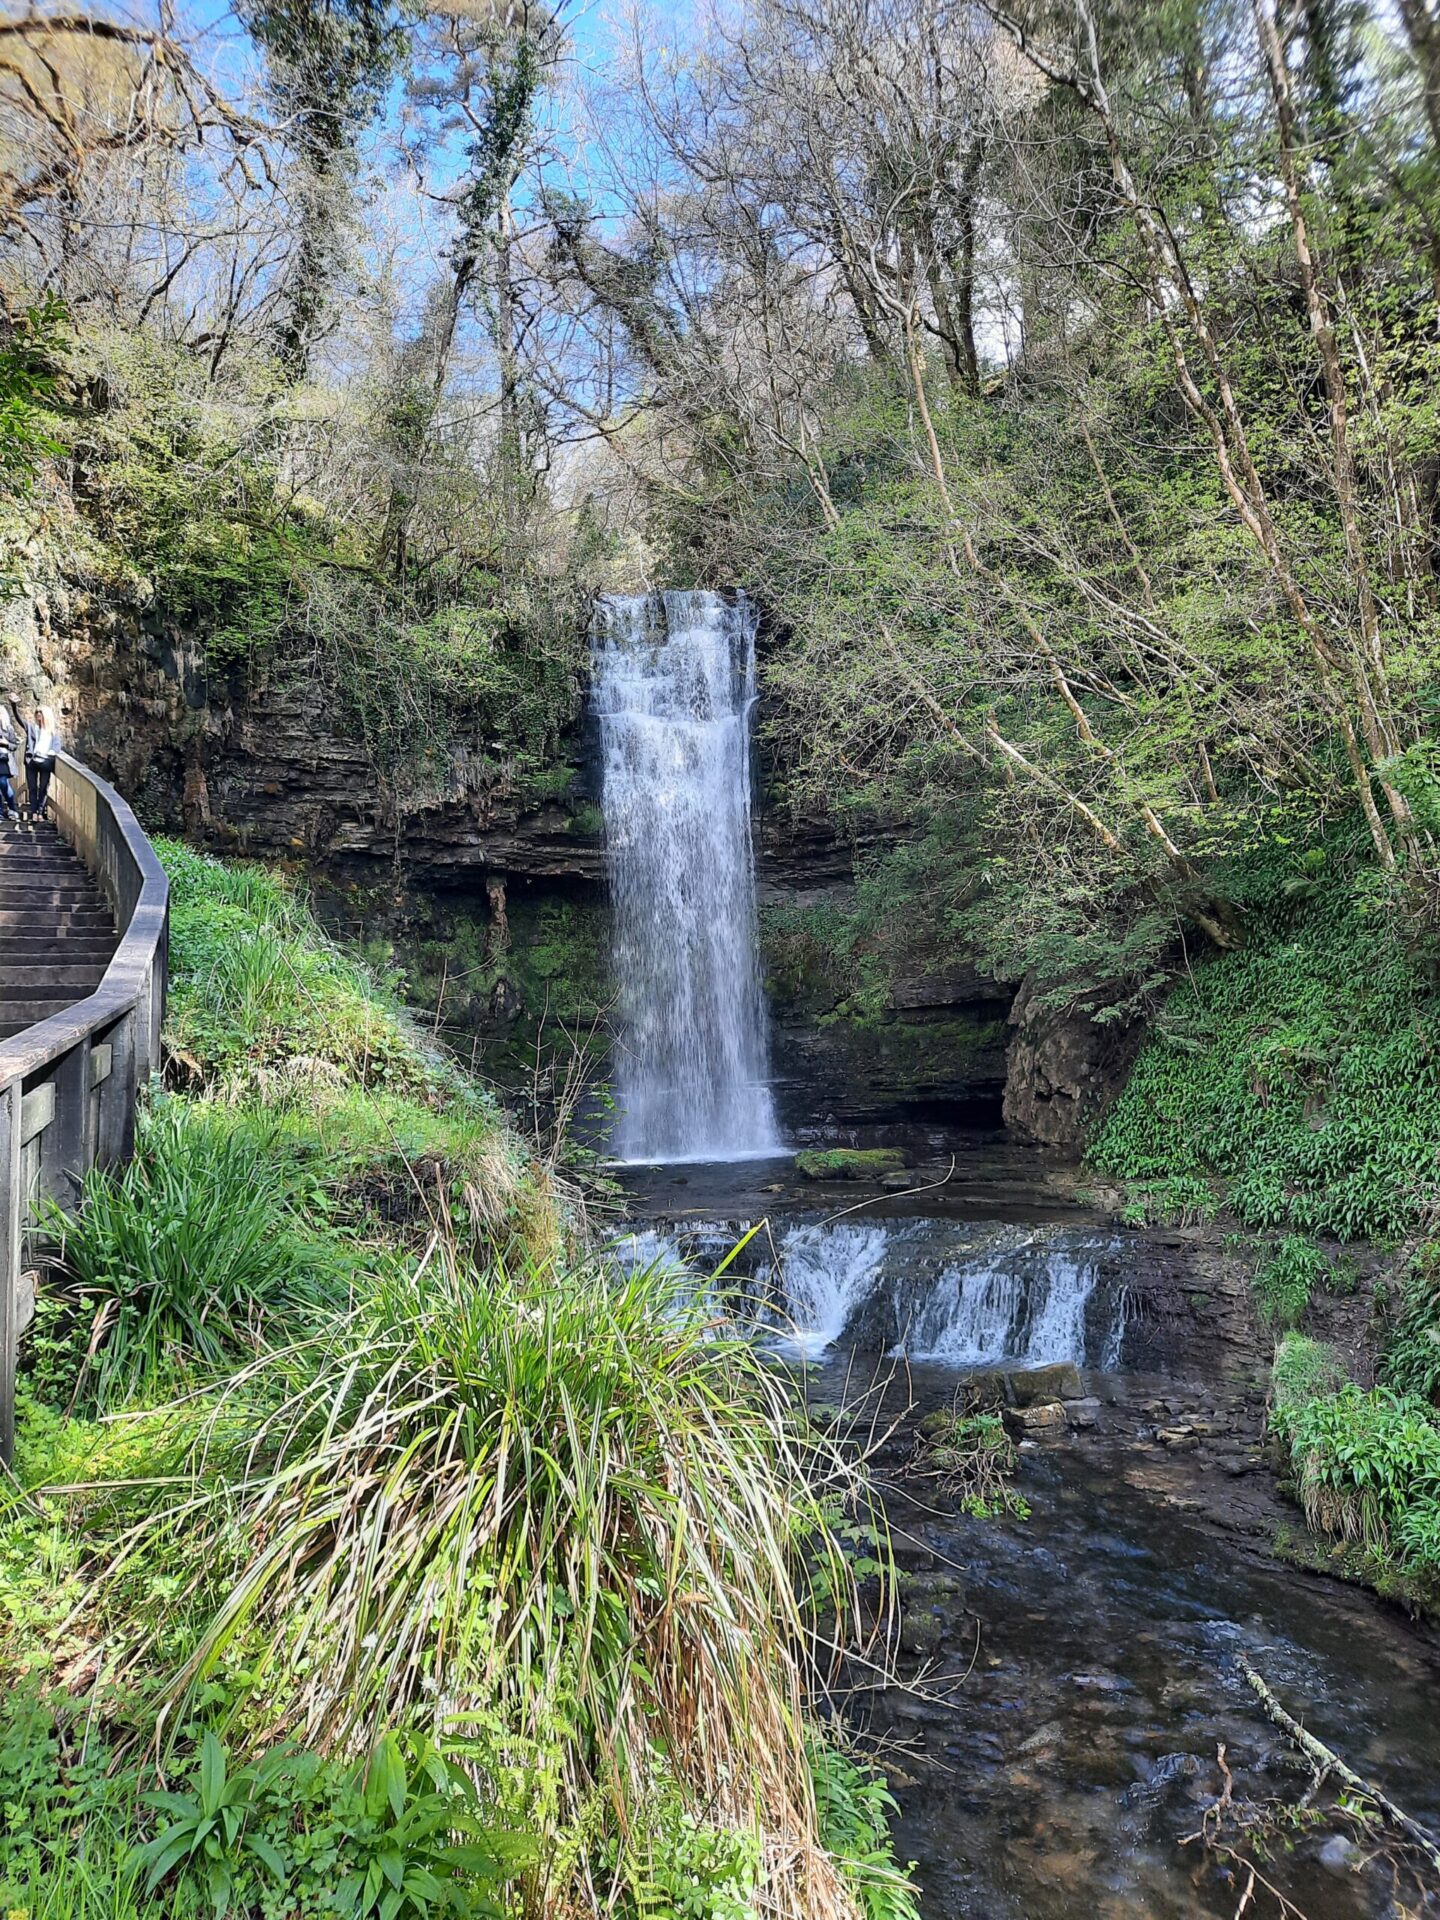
{"x":1072,"y":1675}
{"x":1061,"y":1778}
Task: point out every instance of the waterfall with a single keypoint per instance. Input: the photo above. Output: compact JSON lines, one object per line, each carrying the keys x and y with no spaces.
{"x":960,"y":1295}
{"x":989,"y":1311}
{"x":951,"y":1293}
{"x":828,"y":1272}
{"x":674,"y":683}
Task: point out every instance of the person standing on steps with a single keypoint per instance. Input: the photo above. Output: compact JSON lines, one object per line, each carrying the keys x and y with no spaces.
{"x":42,"y":743}
{"x":9,"y":766}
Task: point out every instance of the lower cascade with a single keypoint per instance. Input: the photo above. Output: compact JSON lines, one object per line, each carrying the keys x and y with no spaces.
{"x":956,"y":1294}
{"x":674,"y":684}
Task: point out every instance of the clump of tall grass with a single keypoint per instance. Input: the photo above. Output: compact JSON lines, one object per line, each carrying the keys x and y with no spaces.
{"x":1304,"y":1370}
{"x":402,"y":1162}
{"x":1362,"y":1461}
{"x":558,"y":1508}
{"x":191,"y":1255}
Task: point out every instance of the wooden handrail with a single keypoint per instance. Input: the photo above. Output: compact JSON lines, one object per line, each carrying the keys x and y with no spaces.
{"x":69,"y":1084}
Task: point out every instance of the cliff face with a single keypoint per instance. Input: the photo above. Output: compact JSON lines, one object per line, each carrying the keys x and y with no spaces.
{"x":927,"y":1046}
{"x":261,"y":770}
{"x":491,"y":892}
{"x":1064,"y":1070}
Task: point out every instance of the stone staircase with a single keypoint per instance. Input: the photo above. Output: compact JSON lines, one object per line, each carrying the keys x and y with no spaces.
{"x":57,"y":933}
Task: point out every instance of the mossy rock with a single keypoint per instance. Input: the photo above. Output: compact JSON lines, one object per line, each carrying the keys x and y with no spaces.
{"x":850,"y":1163}
{"x":1038,"y":1386}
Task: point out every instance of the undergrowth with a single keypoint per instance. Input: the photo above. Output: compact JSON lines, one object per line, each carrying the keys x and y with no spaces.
{"x":1298,"y":1077}
{"x":1284,"y":1282}
{"x":969,"y":1453}
{"x":1364,"y":1466}
{"x":372,"y":1548}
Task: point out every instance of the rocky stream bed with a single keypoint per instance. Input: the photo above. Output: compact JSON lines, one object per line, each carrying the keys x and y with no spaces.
{"x":1072,"y":1677}
{"x":1070,"y":1682}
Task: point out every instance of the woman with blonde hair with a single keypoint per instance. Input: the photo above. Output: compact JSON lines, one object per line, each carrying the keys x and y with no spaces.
{"x":9,"y":747}
{"x":42,"y":743}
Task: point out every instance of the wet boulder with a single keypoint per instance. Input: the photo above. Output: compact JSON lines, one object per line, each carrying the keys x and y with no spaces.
{"x":1046,"y":1417}
{"x":1034,"y":1386}
{"x":921,"y":1634}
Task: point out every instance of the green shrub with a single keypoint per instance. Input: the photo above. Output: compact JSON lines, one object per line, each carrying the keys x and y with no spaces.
{"x":30,"y":421}
{"x":1362,"y":1461}
{"x":262,"y":893}
{"x":854,"y":1807}
{"x":1304,"y":1370}
{"x":1412,"y":1353}
{"x":529,"y":1500}
{"x":1418,"y":1535}
{"x":288,"y":1834}
{"x":973,"y":1457}
{"x":683,"y":1867}
{"x":389,"y":1845}
{"x":67,"y":1825}
{"x":1181,"y":1200}
{"x":1284,"y":1283}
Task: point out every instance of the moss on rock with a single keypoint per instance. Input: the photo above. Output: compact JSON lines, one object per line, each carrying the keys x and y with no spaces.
{"x":850,"y":1163}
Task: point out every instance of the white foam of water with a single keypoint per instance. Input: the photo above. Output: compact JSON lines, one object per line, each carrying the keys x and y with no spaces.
{"x":988,"y":1310}
{"x":825,"y":1274}
{"x":1057,"y":1317}
{"x":674,"y":683}
{"x":1024,"y":1300}
{"x":646,"y":1251}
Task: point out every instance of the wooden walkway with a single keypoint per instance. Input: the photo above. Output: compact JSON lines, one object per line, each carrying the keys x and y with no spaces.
{"x":57,"y":930}
{"x":84,"y":919}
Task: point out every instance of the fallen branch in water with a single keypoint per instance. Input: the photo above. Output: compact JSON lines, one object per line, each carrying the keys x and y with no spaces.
{"x":1325,"y":1762}
{"x":1211,"y":1832}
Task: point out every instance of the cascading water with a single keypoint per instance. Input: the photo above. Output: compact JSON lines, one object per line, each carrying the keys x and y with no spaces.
{"x":959,"y":1296}
{"x":953,"y":1293}
{"x":674,"y":683}
{"x":827,"y":1273}
{"x":993,"y":1310}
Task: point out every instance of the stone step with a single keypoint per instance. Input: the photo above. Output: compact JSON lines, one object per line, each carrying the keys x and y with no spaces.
{"x":34,"y":894}
{"x":57,"y":932}
{"x":75,"y":978}
{"x":20,"y":1013}
{"x":33,"y":916}
{"x":56,"y":924}
{"x":38,"y":949}
{"x":48,"y":868}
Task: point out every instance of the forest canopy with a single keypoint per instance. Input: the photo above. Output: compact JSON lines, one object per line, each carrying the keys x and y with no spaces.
{"x":1061,"y":379}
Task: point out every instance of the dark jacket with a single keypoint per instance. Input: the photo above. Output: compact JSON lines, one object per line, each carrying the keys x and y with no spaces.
{"x":9,"y":747}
